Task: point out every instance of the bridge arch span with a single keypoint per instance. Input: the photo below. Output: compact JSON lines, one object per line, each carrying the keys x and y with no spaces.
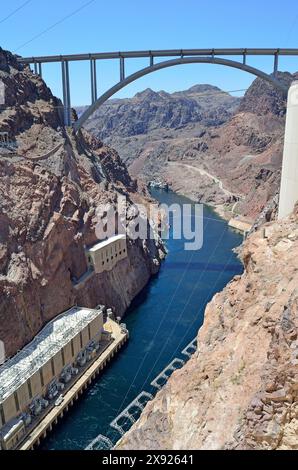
{"x":170,"y":63}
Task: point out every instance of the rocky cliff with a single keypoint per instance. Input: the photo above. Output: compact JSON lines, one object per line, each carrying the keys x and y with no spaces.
{"x":50,"y":187}
{"x":203,"y":142}
{"x":240,"y":389}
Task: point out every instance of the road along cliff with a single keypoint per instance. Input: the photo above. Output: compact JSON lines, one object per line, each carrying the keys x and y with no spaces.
{"x":240,"y":389}
{"x":51,"y":183}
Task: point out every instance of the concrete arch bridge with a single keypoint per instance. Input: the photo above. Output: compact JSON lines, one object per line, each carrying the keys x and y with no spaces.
{"x":172,"y":57}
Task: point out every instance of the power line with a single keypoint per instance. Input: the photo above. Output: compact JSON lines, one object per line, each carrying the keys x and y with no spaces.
{"x":15,"y":11}
{"x":215,"y":92}
{"x":55,"y":24}
{"x":203,"y":272}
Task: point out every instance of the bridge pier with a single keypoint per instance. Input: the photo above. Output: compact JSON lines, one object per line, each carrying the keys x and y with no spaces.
{"x":40,"y":69}
{"x":66,"y":93}
{"x":93,"y":80}
{"x":288,"y":195}
{"x":244,"y":57}
{"x":275,"y":64}
{"x":122,"y":69}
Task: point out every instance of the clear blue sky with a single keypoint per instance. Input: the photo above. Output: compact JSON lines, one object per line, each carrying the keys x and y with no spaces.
{"x":135,"y":24}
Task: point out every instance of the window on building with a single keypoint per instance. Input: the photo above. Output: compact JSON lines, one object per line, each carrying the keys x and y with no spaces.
{"x":41,"y":377}
{"x":53,"y":367}
{"x":16,"y":399}
{"x":72,"y":348}
{"x":3,"y":420}
{"x":29,"y":388}
{"x":63,"y":356}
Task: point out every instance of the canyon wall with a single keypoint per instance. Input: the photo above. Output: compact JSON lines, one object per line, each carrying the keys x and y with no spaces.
{"x":240,"y":389}
{"x":203,"y":142}
{"x":50,"y":188}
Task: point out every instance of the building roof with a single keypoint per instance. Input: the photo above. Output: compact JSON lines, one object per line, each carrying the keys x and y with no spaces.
{"x":107,"y":242}
{"x":48,"y":342}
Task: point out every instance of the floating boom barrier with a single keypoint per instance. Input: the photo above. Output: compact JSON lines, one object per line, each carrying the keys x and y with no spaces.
{"x":100,"y":443}
{"x":167,"y":372}
{"x":191,"y":348}
{"x":139,"y":402}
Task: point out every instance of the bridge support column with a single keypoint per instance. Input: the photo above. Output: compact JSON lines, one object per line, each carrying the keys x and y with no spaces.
{"x":275,"y":64}
{"x":40,"y":69}
{"x":93,"y":80}
{"x":122,"y":69}
{"x":66,"y":93}
{"x":244,"y":57}
{"x":35,"y":68}
{"x":289,"y":179}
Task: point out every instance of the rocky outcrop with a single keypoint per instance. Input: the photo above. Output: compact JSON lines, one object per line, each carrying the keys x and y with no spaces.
{"x":240,"y":390}
{"x":50,"y":188}
{"x":149,"y":110}
{"x":261,"y":98}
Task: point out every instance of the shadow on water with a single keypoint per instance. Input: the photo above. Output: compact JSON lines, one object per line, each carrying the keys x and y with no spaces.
{"x":162,"y":320}
{"x":142,"y":296}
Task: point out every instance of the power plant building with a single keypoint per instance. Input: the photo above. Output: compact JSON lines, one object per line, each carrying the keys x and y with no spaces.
{"x":105,"y":255}
{"x":38,"y":373}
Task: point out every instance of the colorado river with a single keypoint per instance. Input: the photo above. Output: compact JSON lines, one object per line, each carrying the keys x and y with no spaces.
{"x":163,"y":319}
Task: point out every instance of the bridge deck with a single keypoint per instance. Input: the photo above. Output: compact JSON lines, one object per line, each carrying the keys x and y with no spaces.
{"x":156,"y":53}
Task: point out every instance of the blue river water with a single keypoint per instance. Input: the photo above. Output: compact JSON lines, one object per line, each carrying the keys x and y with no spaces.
{"x":162,"y":320}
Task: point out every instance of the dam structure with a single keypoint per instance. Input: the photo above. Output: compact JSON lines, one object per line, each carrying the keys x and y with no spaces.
{"x":39,"y":383}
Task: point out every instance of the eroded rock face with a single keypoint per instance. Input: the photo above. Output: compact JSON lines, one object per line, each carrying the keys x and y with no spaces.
{"x":240,"y":390}
{"x":50,"y":189}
